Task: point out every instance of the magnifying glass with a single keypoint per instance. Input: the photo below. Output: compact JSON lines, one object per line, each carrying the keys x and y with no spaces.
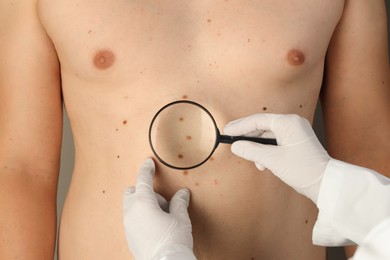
{"x":184,"y":135}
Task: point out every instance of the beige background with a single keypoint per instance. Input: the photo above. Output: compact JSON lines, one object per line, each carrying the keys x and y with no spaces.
{"x":67,"y":157}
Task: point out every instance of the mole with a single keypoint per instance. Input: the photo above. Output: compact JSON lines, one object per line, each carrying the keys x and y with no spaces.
{"x":211,"y":158}
{"x":104,"y":191}
{"x":184,"y":97}
{"x":180,"y":156}
{"x":188,"y":137}
{"x":295,"y":57}
{"x":307,"y":221}
{"x":124,"y":122}
{"x":264,"y":108}
{"x":185,"y":172}
{"x":103,"y":59}
{"x":181,"y":118}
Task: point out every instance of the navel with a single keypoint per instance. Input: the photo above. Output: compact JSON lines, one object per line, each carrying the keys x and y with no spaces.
{"x":103,"y":59}
{"x":295,"y":57}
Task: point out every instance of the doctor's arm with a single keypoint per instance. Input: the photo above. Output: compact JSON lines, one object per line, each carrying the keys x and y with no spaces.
{"x":351,"y":199}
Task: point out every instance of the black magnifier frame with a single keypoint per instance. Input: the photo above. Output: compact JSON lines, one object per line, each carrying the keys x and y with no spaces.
{"x":225,"y":139}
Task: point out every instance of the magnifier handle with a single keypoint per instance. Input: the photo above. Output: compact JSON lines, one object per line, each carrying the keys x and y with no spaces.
{"x":227,"y":139}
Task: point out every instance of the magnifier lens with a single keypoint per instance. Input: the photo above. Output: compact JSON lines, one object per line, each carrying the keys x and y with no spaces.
{"x":183,"y":135}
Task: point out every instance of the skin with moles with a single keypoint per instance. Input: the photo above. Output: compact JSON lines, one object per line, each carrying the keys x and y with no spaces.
{"x":216,"y":55}
{"x":118,"y":62}
{"x":209,"y":54}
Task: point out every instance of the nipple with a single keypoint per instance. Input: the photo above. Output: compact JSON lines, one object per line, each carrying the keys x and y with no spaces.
{"x":295,"y":57}
{"x":104,"y":59}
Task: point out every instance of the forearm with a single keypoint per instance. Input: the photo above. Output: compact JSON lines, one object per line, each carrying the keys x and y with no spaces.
{"x":356,"y":97}
{"x":27,"y":216}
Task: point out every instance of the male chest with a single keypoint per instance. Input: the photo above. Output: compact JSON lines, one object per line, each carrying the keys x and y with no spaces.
{"x":174,"y":36}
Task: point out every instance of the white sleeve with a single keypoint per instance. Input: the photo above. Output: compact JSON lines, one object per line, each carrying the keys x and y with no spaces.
{"x":175,"y":252}
{"x":376,"y":246}
{"x":352,"y":200}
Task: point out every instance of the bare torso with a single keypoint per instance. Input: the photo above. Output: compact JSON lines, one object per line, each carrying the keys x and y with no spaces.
{"x":123,"y":60}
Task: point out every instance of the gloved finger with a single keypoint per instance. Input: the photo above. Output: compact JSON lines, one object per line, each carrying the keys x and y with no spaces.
{"x":254,"y":152}
{"x":290,"y":129}
{"x":127,"y":195}
{"x":268,"y":134}
{"x":287,"y":129}
{"x":144,"y":181}
{"x":178,"y":206}
{"x":162,"y":202}
{"x":250,"y":124}
{"x":130,"y":190}
{"x":260,"y":166}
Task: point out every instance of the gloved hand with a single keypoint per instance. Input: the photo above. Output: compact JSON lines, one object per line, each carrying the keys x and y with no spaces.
{"x":151,"y":232}
{"x":299,"y":158}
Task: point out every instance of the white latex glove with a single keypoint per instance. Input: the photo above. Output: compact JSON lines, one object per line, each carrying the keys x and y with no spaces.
{"x":299,"y":158}
{"x":151,"y":232}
